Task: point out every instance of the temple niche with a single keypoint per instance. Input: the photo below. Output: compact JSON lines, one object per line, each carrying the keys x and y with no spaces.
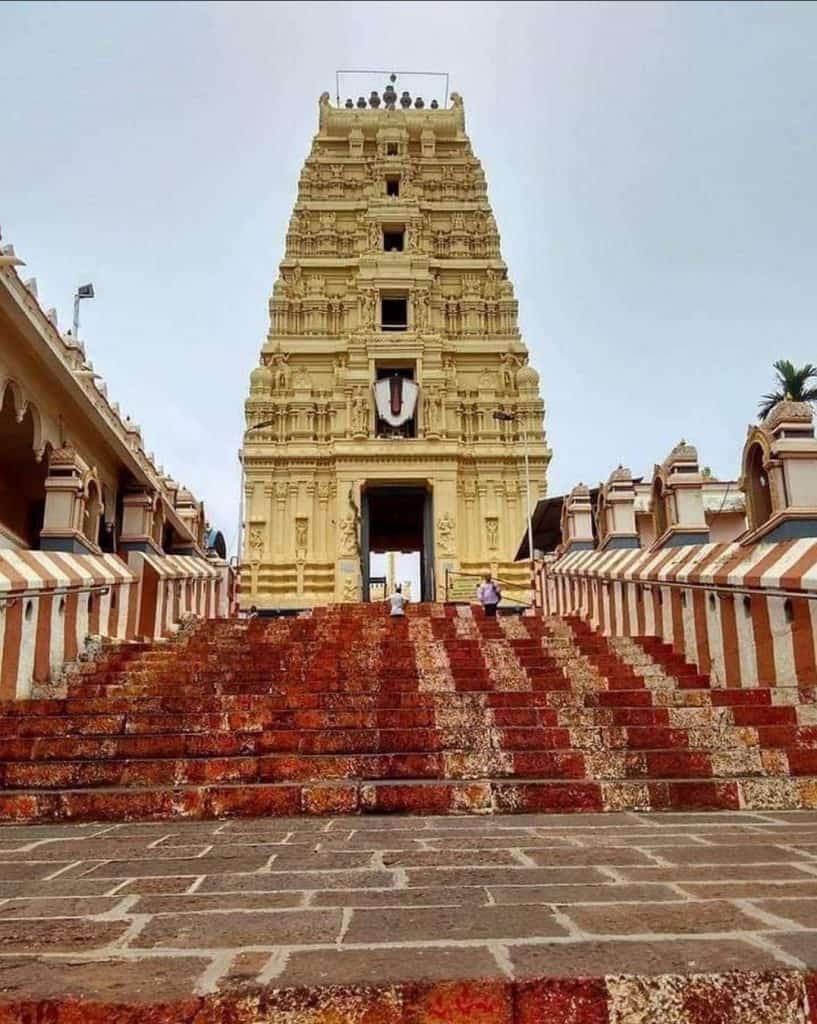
{"x":393,"y":339}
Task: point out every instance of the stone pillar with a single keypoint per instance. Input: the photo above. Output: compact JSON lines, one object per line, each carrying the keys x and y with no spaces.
{"x":447,"y":527}
{"x":322,"y":520}
{"x":191,"y":513}
{"x":347,"y":532}
{"x":291,"y":513}
{"x":278,"y":520}
{"x":139,"y":508}
{"x":577,"y":521}
{"x":617,"y":528}
{"x":65,"y":501}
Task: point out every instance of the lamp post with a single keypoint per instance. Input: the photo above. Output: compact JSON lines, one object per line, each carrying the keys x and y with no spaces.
{"x":510,"y":417}
{"x":255,"y":426}
{"x":85,"y":291}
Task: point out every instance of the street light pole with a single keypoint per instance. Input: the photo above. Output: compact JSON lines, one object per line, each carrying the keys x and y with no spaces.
{"x":530,"y":505}
{"x":240,"y":510}
{"x":85,"y":291}
{"x":510,"y":417}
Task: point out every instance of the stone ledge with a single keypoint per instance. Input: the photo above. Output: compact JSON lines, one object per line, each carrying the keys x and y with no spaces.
{"x":615,"y":924}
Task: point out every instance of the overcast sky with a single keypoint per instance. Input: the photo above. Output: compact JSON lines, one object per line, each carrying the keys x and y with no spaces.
{"x":652,"y":169}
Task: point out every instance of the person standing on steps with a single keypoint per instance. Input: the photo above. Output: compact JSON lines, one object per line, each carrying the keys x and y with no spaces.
{"x":397,"y":602}
{"x":489,"y":594}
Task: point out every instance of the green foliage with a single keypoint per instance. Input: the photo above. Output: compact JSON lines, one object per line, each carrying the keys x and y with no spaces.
{"x":792,"y":382}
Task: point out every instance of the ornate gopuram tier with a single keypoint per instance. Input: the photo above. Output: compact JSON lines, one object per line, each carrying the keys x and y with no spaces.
{"x":392,"y":273}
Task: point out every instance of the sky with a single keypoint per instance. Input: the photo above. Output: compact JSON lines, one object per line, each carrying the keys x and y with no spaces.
{"x":652,"y":168}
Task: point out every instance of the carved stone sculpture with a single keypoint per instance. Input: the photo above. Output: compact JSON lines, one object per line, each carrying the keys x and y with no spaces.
{"x":445,"y":534}
{"x":341,"y":362}
{"x":256,"y":543}
{"x":347,"y":529}
{"x":360,"y":413}
{"x":280,"y":371}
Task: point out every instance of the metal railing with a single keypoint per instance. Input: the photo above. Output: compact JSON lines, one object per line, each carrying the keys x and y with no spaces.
{"x":721,"y":589}
{"x":10,"y":598}
{"x":507,"y":585}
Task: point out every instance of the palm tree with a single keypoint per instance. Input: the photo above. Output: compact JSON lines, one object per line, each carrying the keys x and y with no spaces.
{"x":792,"y":383}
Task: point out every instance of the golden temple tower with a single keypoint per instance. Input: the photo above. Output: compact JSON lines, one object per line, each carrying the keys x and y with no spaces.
{"x":393,"y":340}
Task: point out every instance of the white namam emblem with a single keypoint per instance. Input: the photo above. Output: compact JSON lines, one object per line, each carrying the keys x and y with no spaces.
{"x":396,"y":399}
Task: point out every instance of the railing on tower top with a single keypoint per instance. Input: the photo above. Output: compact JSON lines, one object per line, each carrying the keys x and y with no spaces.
{"x":509,"y":590}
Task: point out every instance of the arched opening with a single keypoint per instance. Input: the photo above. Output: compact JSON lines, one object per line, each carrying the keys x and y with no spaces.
{"x":758,"y":492}
{"x":659,"y":509}
{"x":22,"y":477}
{"x":107,"y":526}
{"x":93,"y":512}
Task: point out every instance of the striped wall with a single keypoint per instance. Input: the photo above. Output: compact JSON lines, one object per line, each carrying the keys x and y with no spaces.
{"x":49,"y":603}
{"x":172,"y":588}
{"x":744,"y":614}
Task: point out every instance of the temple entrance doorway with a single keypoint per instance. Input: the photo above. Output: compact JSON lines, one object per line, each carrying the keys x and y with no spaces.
{"x":397,"y":540}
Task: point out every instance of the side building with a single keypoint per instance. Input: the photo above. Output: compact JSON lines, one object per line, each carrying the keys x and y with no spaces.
{"x":95,"y":539}
{"x":393,"y":406}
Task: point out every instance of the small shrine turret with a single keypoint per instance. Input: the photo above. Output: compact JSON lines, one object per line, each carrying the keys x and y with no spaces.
{"x":677,"y":499}
{"x":779,"y":474}
{"x":577,"y":520}
{"x":616,"y":511}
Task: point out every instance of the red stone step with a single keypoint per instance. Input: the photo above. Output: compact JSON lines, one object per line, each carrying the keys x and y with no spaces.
{"x":554,"y":765}
{"x":348,"y":711}
{"x":409,"y":797}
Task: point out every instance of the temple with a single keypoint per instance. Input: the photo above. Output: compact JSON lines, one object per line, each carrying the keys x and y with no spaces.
{"x":194,"y":803}
{"x":393,"y":407}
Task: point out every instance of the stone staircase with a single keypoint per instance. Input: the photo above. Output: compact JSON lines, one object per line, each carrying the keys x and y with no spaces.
{"x":444,"y":711}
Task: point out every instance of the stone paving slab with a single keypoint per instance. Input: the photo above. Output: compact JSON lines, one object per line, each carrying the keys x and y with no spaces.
{"x":630,"y":918}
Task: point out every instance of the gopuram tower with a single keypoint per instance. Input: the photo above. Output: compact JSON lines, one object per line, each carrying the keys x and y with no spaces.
{"x":393,"y":341}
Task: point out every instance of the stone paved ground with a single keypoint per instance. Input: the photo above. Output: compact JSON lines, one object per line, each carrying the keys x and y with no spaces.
{"x":192,"y":914}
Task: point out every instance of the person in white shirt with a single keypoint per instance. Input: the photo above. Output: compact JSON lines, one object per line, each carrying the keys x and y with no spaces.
{"x":489,"y":595}
{"x":397,"y":602}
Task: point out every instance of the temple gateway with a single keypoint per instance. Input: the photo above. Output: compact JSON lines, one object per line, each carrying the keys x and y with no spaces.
{"x":393,"y":406}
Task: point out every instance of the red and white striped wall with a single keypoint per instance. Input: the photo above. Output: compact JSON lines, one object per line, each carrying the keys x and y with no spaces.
{"x":49,"y":604}
{"x":172,"y":587}
{"x":747,"y":615}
